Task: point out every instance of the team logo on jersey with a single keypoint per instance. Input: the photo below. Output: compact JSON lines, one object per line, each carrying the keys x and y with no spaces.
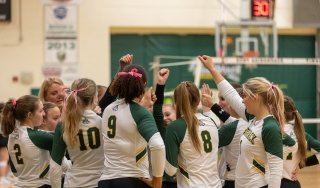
{"x":115,"y":108}
{"x":249,"y":135}
{"x":85,"y":121}
{"x":201,"y":123}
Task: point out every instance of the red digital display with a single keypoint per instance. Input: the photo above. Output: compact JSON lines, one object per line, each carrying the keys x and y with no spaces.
{"x":260,"y":8}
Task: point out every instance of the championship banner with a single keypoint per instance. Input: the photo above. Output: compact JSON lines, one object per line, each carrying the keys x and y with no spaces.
{"x":61,"y":40}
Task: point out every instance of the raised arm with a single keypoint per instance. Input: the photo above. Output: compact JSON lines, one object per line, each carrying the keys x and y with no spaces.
{"x":107,"y":97}
{"x":228,"y":92}
{"x":162,"y":78}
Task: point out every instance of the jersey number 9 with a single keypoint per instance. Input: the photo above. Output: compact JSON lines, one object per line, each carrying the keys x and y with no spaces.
{"x":112,"y":126}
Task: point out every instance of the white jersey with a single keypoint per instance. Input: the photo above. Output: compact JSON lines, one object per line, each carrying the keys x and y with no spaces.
{"x":29,"y":156}
{"x":231,"y":152}
{"x":195,"y":169}
{"x":291,"y":159}
{"x":86,"y":155}
{"x":127,"y":129}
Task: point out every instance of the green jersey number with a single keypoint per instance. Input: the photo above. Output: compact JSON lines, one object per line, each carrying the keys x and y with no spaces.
{"x":112,"y":126}
{"x":93,"y":134}
{"x":206,"y":139}
{"x":17,"y":149}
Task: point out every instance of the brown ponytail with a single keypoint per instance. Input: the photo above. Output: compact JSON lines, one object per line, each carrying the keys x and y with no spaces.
{"x":292,"y":114}
{"x":17,"y":110}
{"x":187,"y":98}
{"x":81,"y":96}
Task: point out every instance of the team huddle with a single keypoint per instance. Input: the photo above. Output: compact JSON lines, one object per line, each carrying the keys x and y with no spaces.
{"x":260,"y":140}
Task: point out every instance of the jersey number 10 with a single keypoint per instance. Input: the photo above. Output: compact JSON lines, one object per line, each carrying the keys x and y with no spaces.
{"x":93,"y":134}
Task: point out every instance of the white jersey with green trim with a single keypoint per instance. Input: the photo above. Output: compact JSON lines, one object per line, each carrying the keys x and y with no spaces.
{"x":86,"y":155}
{"x":231,"y":152}
{"x":291,"y":160}
{"x":261,"y":148}
{"x":127,"y":128}
{"x":193,"y":168}
{"x":253,"y":161}
{"x":29,"y":163}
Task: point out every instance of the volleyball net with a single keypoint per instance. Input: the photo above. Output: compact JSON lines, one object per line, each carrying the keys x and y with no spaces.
{"x":295,"y":76}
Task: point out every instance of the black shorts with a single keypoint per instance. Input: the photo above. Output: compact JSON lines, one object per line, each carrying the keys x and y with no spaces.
{"x":122,"y":182}
{"x":285,"y":183}
{"x":228,"y":184}
{"x":3,"y":141}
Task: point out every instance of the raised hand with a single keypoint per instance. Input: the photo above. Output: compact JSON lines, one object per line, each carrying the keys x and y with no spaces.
{"x":205,"y":89}
{"x":206,"y":61}
{"x":125,"y":60}
{"x":148,"y":99}
{"x":206,"y":97}
{"x":162,"y":76}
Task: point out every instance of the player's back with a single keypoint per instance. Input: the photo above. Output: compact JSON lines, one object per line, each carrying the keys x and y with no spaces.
{"x":87,"y":154}
{"x":125,"y":148}
{"x":28,"y":162}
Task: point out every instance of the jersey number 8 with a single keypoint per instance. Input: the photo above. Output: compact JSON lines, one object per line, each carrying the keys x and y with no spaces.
{"x":206,"y":139}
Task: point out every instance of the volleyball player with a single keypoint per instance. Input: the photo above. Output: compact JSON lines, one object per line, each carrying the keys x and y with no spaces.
{"x":51,"y":117}
{"x":53,"y":90}
{"x":231,"y":151}
{"x":261,"y":144}
{"x":80,"y":134}
{"x":27,"y":147}
{"x":128,"y":129}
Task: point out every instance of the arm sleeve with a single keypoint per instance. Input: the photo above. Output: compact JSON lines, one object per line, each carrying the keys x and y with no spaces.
{"x":174,"y":136}
{"x":313,"y":160}
{"x":158,"y":155}
{"x":220,"y":113}
{"x":41,"y":139}
{"x":59,"y":146}
{"x":313,"y":143}
{"x":289,"y":145}
{"x":157,"y":110}
{"x":234,"y":99}
{"x":106,"y":99}
{"x":271,"y":137}
{"x":226,"y":133}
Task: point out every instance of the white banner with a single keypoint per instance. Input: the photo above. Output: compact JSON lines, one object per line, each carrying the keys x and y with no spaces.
{"x":61,"y":51}
{"x":61,"y":21}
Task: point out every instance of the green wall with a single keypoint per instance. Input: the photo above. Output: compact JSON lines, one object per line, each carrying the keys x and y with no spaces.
{"x":299,"y":82}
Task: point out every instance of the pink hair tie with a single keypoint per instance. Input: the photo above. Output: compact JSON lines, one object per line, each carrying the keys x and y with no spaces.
{"x":75,"y":92}
{"x":14,"y":103}
{"x":273,"y":86}
{"x":133,"y":72}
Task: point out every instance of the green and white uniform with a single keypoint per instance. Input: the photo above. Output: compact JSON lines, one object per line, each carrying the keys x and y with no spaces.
{"x":29,"y":156}
{"x":291,"y":159}
{"x":313,"y":146}
{"x":195,"y":169}
{"x":128,"y":129}
{"x":231,"y":152}
{"x":86,"y":155}
{"x":260,"y":146}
